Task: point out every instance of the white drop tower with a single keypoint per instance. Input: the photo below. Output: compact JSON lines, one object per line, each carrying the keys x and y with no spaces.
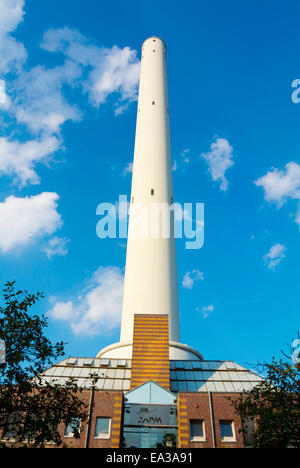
{"x":151,"y":284}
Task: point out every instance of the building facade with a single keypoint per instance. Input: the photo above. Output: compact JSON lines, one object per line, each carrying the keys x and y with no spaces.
{"x":193,"y":411}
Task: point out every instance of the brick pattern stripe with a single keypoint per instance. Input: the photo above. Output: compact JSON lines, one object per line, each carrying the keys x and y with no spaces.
{"x":150,"y":352}
{"x":183,"y":427}
{"x":116,"y":421}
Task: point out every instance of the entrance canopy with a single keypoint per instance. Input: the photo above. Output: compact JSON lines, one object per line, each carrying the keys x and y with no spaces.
{"x":150,"y":393}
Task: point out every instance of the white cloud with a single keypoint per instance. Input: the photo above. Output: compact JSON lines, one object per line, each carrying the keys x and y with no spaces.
{"x":39,"y":101}
{"x":4,"y":99}
{"x":56,"y":246}
{"x":98,"y":309}
{"x":37,"y":96}
{"x":12,"y":53}
{"x":22,"y":220}
{"x":279,"y":186}
{"x":181,"y":162}
{"x":128,"y":169}
{"x":275,"y":256}
{"x":118,"y":74}
{"x":191,"y":277}
{"x":18,"y":159}
{"x":111,"y":70}
{"x":219,"y":160}
{"x":62,"y":311}
{"x":206,"y":311}
{"x":12,"y":12}
{"x":282,"y":185}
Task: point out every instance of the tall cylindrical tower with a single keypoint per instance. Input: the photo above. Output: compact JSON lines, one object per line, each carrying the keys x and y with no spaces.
{"x":151,"y":289}
{"x":151,"y":269}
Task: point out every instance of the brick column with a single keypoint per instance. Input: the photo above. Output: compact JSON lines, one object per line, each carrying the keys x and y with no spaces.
{"x":183,"y":424}
{"x":150,"y":351}
{"x":116,"y":421}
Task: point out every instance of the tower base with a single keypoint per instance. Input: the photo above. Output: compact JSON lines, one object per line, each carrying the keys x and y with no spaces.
{"x":177,"y":351}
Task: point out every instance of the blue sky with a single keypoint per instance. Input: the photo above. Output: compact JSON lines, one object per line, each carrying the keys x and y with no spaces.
{"x":68,"y":88}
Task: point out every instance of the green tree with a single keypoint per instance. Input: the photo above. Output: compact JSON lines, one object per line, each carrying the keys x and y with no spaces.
{"x":272,"y":408}
{"x":31,"y":409}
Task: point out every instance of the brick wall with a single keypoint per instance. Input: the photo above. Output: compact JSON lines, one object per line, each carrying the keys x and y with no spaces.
{"x":105,"y":404}
{"x":150,"y":351}
{"x":190,"y":406}
{"x":196,"y":406}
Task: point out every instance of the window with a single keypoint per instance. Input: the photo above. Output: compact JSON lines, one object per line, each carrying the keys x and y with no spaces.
{"x":71,"y":362}
{"x":227,"y":431}
{"x":11,"y":427}
{"x":197,"y":429}
{"x":102,"y":430}
{"x":149,"y":437}
{"x":72,"y":427}
{"x":152,"y":191}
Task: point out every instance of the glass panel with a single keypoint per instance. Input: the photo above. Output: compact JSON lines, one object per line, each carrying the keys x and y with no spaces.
{"x":210,"y":387}
{"x":104,"y":362}
{"x":150,"y":415}
{"x":219,"y":386}
{"x":150,"y":393}
{"x":238,"y":387}
{"x":67,"y":372}
{"x":71,"y":361}
{"x":201,"y":386}
{"x":191,"y":386}
{"x":160,"y":396}
{"x":174,"y":386}
{"x":187,"y":365}
{"x":111,"y":373}
{"x":74,"y":424}
{"x":207,"y":375}
{"x":189,"y":375}
{"x":118,"y":384}
{"x":229,"y":387}
{"x":149,"y":437}
{"x":121,"y":363}
{"x":100,"y":384}
{"x":108,"y":384}
{"x":180,"y":375}
{"x":196,"y":428}
{"x":196,"y":364}
{"x":226,"y":429}
{"x":84,"y":372}
{"x":88,"y":362}
{"x":182,"y":386}
{"x":102,"y":427}
{"x":126,"y":384}
{"x":179,"y":365}
{"x":198,"y":375}
{"x":120,"y":374}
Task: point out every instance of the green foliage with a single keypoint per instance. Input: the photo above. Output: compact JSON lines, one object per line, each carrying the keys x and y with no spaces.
{"x":30,"y":408}
{"x":274,"y":406}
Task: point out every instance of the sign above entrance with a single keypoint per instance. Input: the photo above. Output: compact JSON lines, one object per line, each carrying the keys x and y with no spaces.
{"x":150,"y":415}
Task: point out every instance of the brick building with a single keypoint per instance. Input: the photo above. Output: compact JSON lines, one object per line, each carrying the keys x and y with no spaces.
{"x":194,"y":413}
